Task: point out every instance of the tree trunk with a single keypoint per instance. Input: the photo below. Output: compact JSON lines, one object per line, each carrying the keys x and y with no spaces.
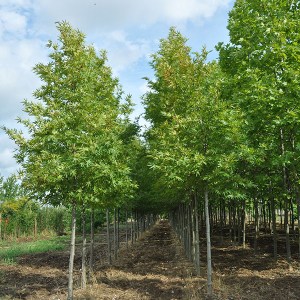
{"x":298,"y":211}
{"x":189,"y":232}
{"x":197,"y":245}
{"x":137,"y":223}
{"x":208,"y":245}
{"x":72,"y":253}
{"x":131,"y":228}
{"x":92,"y":243}
{"x":126,"y":229}
{"x":234,"y":216}
{"x":108,"y":237}
{"x":118,"y":230}
{"x":193,"y":231}
{"x":287,"y":233}
{"x":286,"y":204}
{"x":83,"y":264}
{"x":274,"y":229}
{"x":230,"y":221}
{"x":281,"y":221}
{"x":35,"y":226}
{"x":115,"y":234}
{"x":221,"y":223}
{"x":1,"y":226}
{"x":292,"y":219}
{"x":264,"y":216}
{"x":269,"y":216}
{"x":244,"y":224}
{"x":256,"y":224}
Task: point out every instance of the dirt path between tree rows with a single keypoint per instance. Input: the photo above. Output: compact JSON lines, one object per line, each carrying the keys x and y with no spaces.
{"x":153,"y":268}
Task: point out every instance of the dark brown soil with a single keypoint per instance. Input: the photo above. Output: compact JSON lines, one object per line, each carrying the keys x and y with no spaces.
{"x":155,"y":268}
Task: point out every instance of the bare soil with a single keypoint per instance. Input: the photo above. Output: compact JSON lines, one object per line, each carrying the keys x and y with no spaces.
{"x":155,"y":267}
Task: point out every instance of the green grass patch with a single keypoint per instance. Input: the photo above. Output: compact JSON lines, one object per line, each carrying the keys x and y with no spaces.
{"x":9,"y":251}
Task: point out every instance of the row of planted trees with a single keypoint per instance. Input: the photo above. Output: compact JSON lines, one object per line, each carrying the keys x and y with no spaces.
{"x":78,"y":146}
{"x":227,"y":132}
{"x":223,"y":138}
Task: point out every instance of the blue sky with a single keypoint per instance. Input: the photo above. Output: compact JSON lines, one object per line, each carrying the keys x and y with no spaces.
{"x":129,"y":30}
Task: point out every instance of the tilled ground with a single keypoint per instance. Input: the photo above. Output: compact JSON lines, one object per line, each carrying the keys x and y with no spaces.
{"x":155,"y":267}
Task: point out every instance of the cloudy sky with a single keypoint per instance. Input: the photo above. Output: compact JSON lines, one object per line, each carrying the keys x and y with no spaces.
{"x":129,"y":30}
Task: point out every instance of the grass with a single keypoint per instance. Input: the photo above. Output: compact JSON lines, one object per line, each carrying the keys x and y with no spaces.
{"x":9,"y":251}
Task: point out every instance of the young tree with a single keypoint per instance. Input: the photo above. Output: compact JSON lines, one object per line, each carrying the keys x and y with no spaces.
{"x":73,"y":153}
{"x":192,"y":130}
{"x":262,"y":61}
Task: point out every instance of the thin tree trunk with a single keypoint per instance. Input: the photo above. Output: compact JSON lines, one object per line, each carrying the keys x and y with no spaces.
{"x":292,"y":220}
{"x":274,"y":229}
{"x":108,"y":237}
{"x":281,"y":220}
{"x":1,"y":226}
{"x":269,"y":216}
{"x":92,"y":243}
{"x":240,"y":224}
{"x":286,"y":204}
{"x":131,"y":228}
{"x":83,"y":263}
{"x":234,"y":215}
{"x":230,"y":221}
{"x":264,"y":216}
{"x":72,"y":253}
{"x":287,"y":233}
{"x":35,"y":226}
{"x":244,"y":224}
{"x":193,"y":232}
{"x":137,"y":225}
{"x":256,"y":224}
{"x":118,"y":230}
{"x":197,"y":246}
{"x":298,"y":210}
{"x":208,"y":245}
{"x":126,"y":234}
{"x":189,"y":232}
{"x":221,"y":223}
{"x":115,"y":234}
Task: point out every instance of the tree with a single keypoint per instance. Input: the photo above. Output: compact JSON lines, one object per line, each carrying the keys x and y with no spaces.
{"x":262,"y":60}
{"x":73,"y":153}
{"x":192,"y":130}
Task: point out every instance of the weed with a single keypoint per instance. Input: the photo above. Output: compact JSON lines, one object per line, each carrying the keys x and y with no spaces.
{"x":10,"y":251}
{"x":9,"y":261}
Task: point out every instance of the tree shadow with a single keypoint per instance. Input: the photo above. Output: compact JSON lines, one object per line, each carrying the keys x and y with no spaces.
{"x":15,"y":285}
{"x":256,"y":287}
{"x":152,"y":288}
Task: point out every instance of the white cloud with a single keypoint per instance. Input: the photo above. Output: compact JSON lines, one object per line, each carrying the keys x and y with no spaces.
{"x":101,"y":15}
{"x":17,"y":80}
{"x":144,"y":88}
{"x":12,"y":23}
{"x":7,"y":161}
{"x":178,"y":10}
{"x":122,"y":51}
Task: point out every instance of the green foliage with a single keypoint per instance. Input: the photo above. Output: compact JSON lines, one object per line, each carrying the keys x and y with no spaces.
{"x":100,"y":219}
{"x":195,"y":134}
{"x":262,"y":64}
{"x":53,"y":220}
{"x":21,"y":216}
{"x":74,"y":151}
